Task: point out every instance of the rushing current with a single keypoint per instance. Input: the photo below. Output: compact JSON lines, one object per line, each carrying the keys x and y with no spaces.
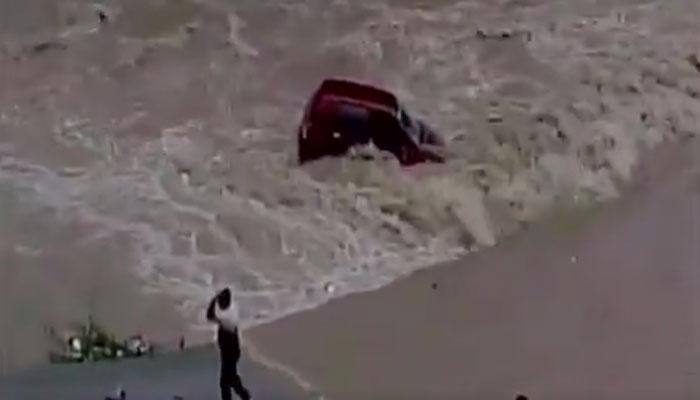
{"x":161,"y":140}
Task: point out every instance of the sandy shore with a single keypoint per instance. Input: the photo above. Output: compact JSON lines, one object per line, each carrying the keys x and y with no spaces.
{"x":618,"y":321}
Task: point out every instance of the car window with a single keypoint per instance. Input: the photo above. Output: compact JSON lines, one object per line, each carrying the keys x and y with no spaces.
{"x":406,"y":120}
{"x":350,"y":112}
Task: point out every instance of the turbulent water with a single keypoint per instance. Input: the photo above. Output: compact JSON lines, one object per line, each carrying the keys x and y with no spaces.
{"x":166,"y":134}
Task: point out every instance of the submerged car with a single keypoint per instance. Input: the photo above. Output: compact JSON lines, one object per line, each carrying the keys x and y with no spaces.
{"x":342,"y":114}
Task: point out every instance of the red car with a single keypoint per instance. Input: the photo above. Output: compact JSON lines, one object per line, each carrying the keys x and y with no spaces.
{"x":343,"y":113}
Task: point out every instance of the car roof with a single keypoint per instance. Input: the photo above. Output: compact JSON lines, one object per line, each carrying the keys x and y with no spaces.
{"x":358,"y":93}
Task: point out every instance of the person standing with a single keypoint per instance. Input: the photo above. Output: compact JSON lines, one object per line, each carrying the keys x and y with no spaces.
{"x":224,"y":313}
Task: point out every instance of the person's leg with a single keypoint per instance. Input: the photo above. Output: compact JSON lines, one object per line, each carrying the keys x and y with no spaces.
{"x":237,"y":386}
{"x":225,"y":386}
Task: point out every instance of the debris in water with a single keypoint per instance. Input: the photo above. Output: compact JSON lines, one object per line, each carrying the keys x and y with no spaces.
{"x":235,"y":40}
{"x":694,"y":61}
{"x":102,"y":16}
{"x":191,"y":28}
{"x":495,"y":118}
{"x":562,"y":136}
{"x":252,"y":133}
{"x":184,"y":176}
{"x":72,"y":172}
{"x":329,"y":288}
{"x":46,"y":46}
{"x":502,"y":35}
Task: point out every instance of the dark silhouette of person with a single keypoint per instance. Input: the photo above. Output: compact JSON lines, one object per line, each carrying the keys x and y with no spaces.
{"x":223,"y":312}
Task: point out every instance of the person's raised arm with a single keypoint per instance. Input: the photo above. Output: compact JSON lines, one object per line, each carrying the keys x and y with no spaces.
{"x":211,"y":310}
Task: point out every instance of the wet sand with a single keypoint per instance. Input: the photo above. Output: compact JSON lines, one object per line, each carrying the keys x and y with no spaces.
{"x":618,"y":321}
{"x":191,"y":375}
